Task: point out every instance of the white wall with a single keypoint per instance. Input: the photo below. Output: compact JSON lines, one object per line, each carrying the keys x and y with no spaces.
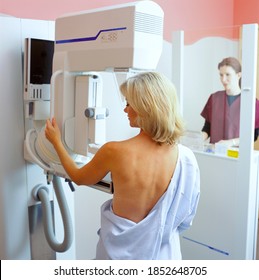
{"x":14,"y":228}
{"x":17,"y":178}
{"x":13,"y":193}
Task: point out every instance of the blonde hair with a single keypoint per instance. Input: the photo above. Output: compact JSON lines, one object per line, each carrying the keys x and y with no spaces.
{"x":153,"y":97}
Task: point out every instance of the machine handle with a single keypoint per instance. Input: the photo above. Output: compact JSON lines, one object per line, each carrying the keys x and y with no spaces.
{"x":52,"y":91}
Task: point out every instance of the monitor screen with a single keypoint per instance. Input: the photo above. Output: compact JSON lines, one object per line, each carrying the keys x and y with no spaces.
{"x":41,"y":61}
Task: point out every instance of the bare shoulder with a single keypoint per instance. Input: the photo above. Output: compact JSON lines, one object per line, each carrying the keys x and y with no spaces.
{"x":113,"y":149}
{"x":115,"y":145}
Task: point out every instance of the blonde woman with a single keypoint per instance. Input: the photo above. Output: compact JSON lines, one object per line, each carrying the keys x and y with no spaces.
{"x":156,"y":180}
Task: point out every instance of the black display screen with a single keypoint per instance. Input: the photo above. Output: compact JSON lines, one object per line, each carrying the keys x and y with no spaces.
{"x":41,"y":61}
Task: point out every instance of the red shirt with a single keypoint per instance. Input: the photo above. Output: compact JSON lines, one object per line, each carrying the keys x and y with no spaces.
{"x":224,"y":119}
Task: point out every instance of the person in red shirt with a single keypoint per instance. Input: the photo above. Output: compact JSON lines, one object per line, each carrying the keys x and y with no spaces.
{"x":222,"y":110}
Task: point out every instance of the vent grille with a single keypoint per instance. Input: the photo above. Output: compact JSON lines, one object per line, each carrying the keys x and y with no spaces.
{"x":148,"y":23}
{"x":36,"y":93}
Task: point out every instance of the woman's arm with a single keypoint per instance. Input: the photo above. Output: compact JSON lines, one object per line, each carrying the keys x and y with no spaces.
{"x":89,"y":174}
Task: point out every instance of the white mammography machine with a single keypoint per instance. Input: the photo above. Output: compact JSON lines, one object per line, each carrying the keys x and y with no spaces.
{"x":122,"y":39}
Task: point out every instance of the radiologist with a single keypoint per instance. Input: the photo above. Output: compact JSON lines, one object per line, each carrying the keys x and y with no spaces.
{"x":156,"y":180}
{"x":222,"y":110}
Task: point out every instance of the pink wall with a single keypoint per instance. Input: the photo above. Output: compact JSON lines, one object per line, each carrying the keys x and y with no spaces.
{"x":246,"y":11}
{"x":179,"y":15}
{"x":184,"y":14}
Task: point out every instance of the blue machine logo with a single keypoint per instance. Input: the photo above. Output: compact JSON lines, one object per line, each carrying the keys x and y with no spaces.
{"x":85,"y":39}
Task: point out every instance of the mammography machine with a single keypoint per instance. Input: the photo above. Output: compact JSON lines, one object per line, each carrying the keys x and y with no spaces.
{"x":122,"y":40}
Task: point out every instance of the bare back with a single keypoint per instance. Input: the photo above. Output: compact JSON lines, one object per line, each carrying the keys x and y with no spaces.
{"x":141,"y":173}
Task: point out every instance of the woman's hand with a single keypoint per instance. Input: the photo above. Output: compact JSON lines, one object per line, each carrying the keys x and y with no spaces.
{"x":90,"y":173}
{"x":52,"y":132}
{"x":231,"y":142}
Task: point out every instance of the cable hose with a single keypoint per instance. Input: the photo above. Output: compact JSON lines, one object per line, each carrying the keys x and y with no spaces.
{"x":48,"y":219}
